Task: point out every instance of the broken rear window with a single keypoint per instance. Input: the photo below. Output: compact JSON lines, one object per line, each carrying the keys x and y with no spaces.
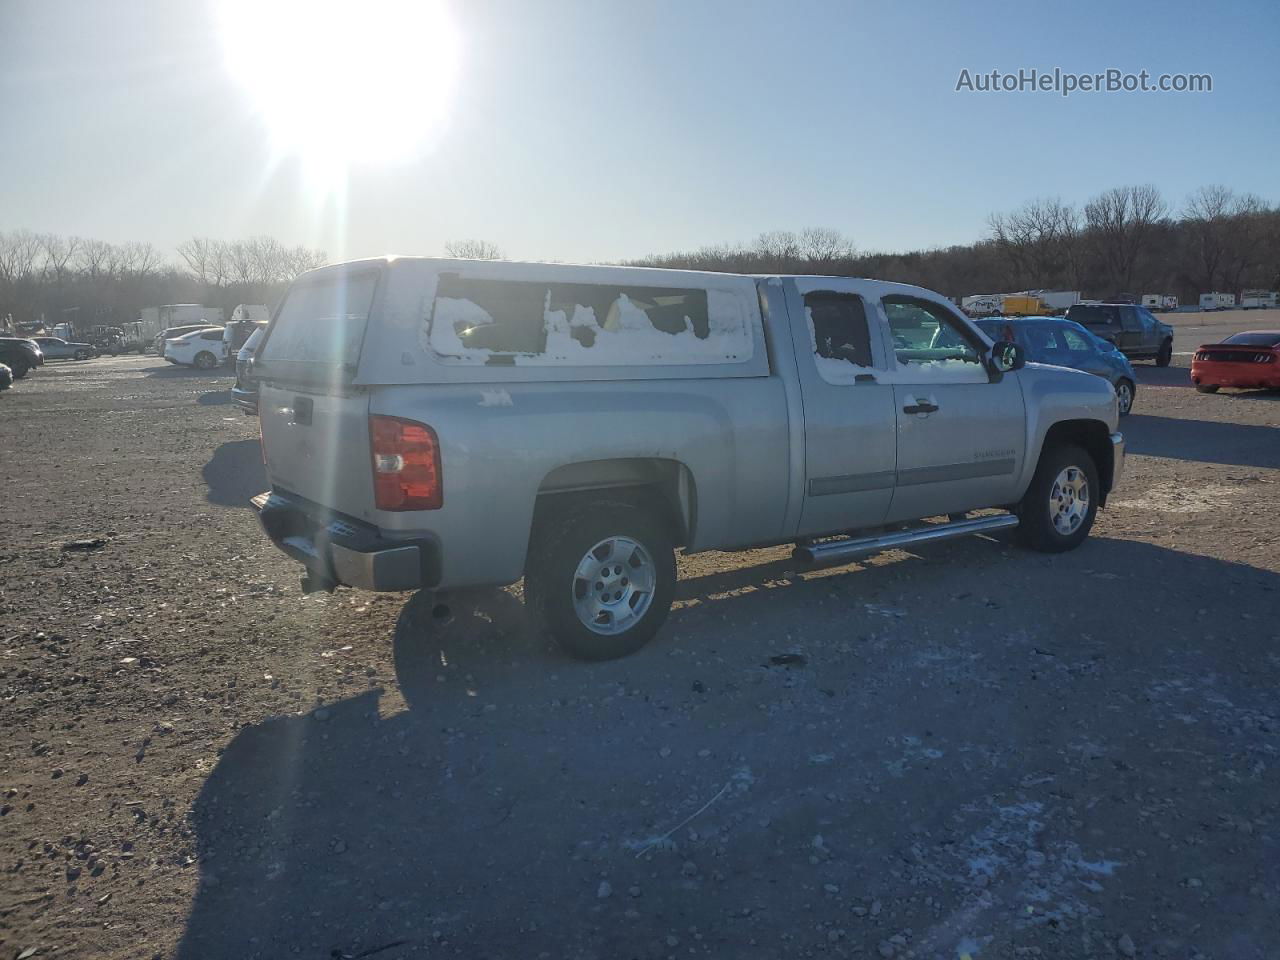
{"x":526,"y":322}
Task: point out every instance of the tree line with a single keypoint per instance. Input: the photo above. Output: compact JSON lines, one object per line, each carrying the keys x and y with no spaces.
{"x":52,"y":278}
{"x":1126,"y":240}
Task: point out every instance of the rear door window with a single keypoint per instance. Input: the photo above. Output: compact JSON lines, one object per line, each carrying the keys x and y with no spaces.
{"x":322,"y":320}
{"x":839,"y":332}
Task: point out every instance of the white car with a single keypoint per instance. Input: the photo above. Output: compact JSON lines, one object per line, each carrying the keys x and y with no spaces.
{"x":202,"y":349}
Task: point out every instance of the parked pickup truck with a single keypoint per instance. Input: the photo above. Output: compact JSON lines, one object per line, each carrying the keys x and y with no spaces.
{"x":450,"y":423}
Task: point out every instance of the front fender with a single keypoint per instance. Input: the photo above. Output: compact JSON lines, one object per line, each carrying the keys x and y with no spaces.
{"x":1056,"y":395}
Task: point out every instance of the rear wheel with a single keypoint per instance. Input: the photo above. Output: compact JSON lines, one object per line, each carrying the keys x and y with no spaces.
{"x":1165,"y":354}
{"x":205,"y":360}
{"x":601,"y":577}
{"x":19,"y":369}
{"x":1059,"y":507}
{"x":1124,"y":396}
{"x":1206,"y":388}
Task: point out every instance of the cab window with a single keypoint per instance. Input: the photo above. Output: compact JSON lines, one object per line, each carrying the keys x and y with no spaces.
{"x":930,"y":343}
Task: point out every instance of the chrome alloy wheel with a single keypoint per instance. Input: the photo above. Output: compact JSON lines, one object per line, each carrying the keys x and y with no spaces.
{"x":1124,"y":396}
{"x":613,"y":586}
{"x":1069,"y":500}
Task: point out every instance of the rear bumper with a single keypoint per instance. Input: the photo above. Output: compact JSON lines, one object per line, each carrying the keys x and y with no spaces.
{"x":246,"y":400}
{"x":339,"y":550}
{"x":1239,"y":374}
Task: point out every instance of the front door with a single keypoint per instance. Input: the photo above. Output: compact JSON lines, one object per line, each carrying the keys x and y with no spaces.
{"x":849,"y":422}
{"x":961,"y":437}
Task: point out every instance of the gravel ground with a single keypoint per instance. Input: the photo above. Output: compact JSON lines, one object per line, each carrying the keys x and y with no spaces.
{"x":965,"y":751}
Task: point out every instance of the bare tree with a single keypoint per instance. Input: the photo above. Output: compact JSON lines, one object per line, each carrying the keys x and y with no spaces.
{"x":1121,"y":222}
{"x":95,"y":259}
{"x":58,"y":251}
{"x":298,"y":260}
{"x":823,"y":245}
{"x":779,"y":248}
{"x":1040,"y":243}
{"x":472,"y":250}
{"x":137,"y":259}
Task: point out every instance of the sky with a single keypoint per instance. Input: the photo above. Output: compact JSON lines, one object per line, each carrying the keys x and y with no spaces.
{"x":598,"y":130}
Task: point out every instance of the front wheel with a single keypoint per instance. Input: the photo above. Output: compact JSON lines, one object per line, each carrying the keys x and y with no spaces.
{"x":205,"y":360}
{"x":1206,"y":388}
{"x":1165,"y":354}
{"x":82,"y":354}
{"x":1124,"y":396}
{"x":19,"y":369}
{"x":1059,"y":507}
{"x":602,"y":577}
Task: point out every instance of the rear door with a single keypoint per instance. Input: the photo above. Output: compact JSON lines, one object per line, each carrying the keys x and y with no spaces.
{"x":1132,"y":338}
{"x":850,"y":446}
{"x":960,"y":436}
{"x":315,"y":423}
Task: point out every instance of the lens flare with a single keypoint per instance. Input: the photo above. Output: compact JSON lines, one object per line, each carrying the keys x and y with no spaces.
{"x":338,"y":82}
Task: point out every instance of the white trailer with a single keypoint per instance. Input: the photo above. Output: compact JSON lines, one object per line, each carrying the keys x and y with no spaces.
{"x":1056,"y":300}
{"x":1217,"y":301}
{"x":1151,"y":301}
{"x":982,"y":304}
{"x":1259,"y":300}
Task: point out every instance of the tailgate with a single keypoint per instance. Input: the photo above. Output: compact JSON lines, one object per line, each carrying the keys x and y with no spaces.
{"x":315,"y":423}
{"x":316,"y":445}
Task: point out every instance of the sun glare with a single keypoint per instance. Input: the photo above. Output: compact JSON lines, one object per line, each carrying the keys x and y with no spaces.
{"x":339,"y":82}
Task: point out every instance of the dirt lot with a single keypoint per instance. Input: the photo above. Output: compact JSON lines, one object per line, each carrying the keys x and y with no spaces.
{"x":975,"y":751}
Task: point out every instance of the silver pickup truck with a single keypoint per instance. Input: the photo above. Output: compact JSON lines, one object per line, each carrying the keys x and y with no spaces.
{"x":450,"y":423}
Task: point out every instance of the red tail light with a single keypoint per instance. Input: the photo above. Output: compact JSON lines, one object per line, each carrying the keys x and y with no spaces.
{"x":406,"y":465}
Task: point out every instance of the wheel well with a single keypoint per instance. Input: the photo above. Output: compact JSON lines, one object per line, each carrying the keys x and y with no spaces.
{"x":663,"y":485}
{"x":1095,"y":438}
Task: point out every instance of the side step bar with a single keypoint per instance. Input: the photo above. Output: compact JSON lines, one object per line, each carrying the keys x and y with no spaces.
{"x":844,"y":550}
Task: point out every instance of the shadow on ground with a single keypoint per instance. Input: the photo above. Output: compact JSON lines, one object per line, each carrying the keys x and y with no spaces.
{"x":1152,"y":376}
{"x":1209,"y":441}
{"x":214,"y":398}
{"x":527,"y":805}
{"x":235,"y":473}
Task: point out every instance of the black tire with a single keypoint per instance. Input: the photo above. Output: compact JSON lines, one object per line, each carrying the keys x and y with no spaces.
{"x":1206,"y":388}
{"x":205,"y":360}
{"x":1165,"y":355}
{"x":1121,"y":385}
{"x":19,"y":369}
{"x":559,"y":547}
{"x":1036,"y":512}
{"x":82,"y":354}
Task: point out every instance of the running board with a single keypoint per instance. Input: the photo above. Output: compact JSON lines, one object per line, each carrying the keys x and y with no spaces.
{"x":843,"y":550}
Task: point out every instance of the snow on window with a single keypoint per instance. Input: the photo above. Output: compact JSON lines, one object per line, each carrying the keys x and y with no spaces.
{"x":839,"y":335}
{"x":577,"y":324}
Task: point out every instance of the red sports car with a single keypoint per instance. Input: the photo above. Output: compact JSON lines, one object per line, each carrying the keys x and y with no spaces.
{"x":1242,"y":360}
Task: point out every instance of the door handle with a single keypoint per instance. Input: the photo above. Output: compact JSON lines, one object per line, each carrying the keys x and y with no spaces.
{"x":865,"y":378}
{"x":920,"y":407}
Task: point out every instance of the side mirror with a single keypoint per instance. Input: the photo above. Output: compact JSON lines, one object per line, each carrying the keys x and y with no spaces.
{"x":1007,"y":356}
